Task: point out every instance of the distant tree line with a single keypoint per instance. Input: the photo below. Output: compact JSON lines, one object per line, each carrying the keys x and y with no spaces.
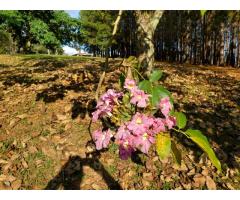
{"x":28,"y":31}
{"x":181,"y":36}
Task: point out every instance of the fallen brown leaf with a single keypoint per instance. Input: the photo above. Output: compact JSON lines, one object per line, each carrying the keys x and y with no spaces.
{"x":16,"y":184}
{"x":199,"y":180}
{"x":211,"y":185}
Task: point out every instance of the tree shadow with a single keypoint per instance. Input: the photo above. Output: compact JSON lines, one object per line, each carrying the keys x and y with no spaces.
{"x":223,"y":134}
{"x":48,"y":65}
{"x":217,"y":115}
{"x":83,"y":106}
{"x":59,"y":91}
{"x":26,"y":80}
{"x":52,"y":94}
{"x":4,"y":66}
{"x":71,"y":174}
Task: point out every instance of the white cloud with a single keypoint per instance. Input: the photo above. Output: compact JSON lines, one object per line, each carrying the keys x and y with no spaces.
{"x":69,"y":50}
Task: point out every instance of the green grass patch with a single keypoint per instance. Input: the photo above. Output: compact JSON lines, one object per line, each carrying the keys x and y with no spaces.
{"x":113,"y":148}
{"x":5,"y":145}
{"x":167,"y":186}
{"x":54,"y":57}
{"x":112,"y":169}
{"x":38,"y":173}
{"x":45,"y":132}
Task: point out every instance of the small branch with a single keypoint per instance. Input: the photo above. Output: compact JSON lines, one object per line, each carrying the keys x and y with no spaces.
{"x":116,"y":24}
{"x":139,"y":73}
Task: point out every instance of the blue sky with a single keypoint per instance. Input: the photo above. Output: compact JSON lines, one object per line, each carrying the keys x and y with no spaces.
{"x":73,"y":13}
{"x":68,"y":50}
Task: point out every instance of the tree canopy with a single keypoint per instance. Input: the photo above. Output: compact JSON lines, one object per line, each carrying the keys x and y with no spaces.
{"x":48,"y":28}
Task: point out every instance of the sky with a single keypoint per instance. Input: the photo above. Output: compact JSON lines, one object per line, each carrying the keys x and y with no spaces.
{"x":73,"y":13}
{"x":69,"y":50}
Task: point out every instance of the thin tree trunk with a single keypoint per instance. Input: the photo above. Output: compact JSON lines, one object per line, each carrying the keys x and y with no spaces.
{"x":212,"y":50}
{"x":195,"y":46}
{"x":215,"y":49}
{"x":232,"y":46}
{"x":238,"y":49}
{"x":203,"y":39}
{"x":221,"y":62}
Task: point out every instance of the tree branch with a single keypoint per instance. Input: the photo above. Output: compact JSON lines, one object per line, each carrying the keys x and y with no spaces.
{"x":116,"y":24}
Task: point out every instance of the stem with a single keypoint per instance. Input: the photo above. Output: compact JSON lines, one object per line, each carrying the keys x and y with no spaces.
{"x":139,"y":73}
{"x":180,"y":131}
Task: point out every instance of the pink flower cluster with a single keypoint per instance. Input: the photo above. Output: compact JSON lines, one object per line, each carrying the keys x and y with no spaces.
{"x":105,"y":104}
{"x":138,"y":133}
{"x":138,"y":97}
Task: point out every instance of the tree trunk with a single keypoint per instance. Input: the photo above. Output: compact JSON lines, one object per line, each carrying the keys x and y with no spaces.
{"x":147,"y":22}
{"x":232,"y":47}
{"x":215,"y":49}
{"x":195,"y":46}
{"x":238,"y":49}
{"x":221,"y":62}
{"x":203,"y":39}
{"x":187,"y":49}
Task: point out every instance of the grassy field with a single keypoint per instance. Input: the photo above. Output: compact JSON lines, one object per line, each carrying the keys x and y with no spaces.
{"x":45,"y":109}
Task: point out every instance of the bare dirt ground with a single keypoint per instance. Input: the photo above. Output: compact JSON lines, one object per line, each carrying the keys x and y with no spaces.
{"x":45,"y":109}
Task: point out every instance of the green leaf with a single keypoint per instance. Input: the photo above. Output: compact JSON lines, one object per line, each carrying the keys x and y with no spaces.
{"x":181,"y":119}
{"x":155,"y":76}
{"x":121,"y":80}
{"x":201,"y":141}
{"x":163,"y":145}
{"x":176,"y":153}
{"x":162,"y":91}
{"x":155,"y":96}
{"x":203,"y":12}
{"x":159,"y":92}
{"x":146,"y":86}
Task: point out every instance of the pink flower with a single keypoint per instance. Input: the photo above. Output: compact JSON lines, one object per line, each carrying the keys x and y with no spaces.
{"x":158,"y":125}
{"x":148,"y":120}
{"x":103,"y":110}
{"x":165,"y":106}
{"x":139,"y":98}
{"x":102,"y":139}
{"x":144,"y":141}
{"x":170,"y":122}
{"x":105,"y":104}
{"x":126,"y":148}
{"x":111,"y":97}
{"x":138,"y":124}
{"x":125,"y":152}
{"x":122,"y":132}
{"x":130,"y":84}
{"x":96,"y":115}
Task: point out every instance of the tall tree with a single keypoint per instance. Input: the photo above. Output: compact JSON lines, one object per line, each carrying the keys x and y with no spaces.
{"x":96,"y":29}
{"x":147,"y":22}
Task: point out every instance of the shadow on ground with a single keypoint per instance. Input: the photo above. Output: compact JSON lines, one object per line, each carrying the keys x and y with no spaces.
{"x":71,"y":174}
{"x":218,"y":117}
{"x":219,"y":128}
{"x":26,"y":80}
